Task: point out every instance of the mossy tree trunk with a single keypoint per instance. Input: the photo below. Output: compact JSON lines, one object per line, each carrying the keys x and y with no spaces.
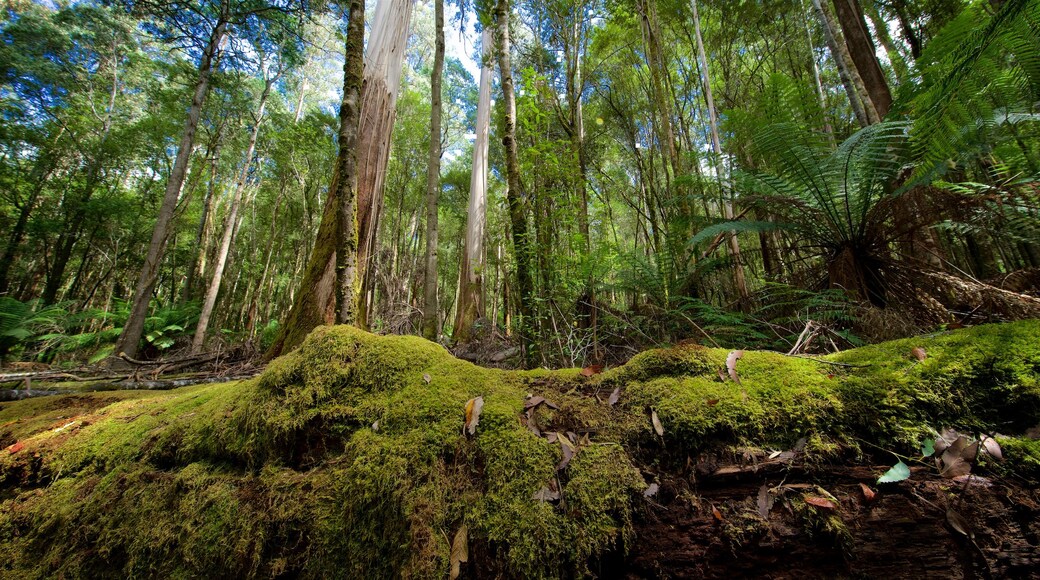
{"x":346,"y":165}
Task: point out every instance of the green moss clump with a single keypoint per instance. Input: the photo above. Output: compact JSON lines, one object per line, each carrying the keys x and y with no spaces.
{"x":347,"y":457}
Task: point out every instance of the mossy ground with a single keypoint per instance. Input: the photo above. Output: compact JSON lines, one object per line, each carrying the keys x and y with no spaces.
{"x":346,"y":458}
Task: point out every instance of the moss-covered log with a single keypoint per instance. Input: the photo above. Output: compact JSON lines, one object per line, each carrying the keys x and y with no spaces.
{"x":347,"y":458}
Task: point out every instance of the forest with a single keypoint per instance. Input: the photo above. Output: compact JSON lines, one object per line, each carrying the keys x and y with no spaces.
{"x":255,"y":248}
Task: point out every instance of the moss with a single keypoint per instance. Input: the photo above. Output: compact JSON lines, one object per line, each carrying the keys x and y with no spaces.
{"x":347,"y":456}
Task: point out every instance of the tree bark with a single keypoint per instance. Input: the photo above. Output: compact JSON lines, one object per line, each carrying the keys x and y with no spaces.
{"x":471,"y":288}
{"x":347,"y":165}
{"x":131,"y":335}
{"x":431,"y":310}
{"x":862,"y":52}
{"x":515,"y":195}
{"x":232,"y":224}
{"x":862,"y":109}
{"x":314,"y":303}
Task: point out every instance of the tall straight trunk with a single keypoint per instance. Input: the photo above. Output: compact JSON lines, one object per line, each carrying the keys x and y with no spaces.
{"x":229,"y":228}
{"x":862,"y":52}
{"x":651,"y":27}
{"x":471,"y":276}
{"x":861,"y":107}
{"x":820,"y":95}
{"x":198,"y":265}
{"x":314,"y":303}
{"x":347,"y":165}
{"x":431,"y":310}
{"x":739,"y":280}
{"x":131,"y":335}
{"x":515,"y":196}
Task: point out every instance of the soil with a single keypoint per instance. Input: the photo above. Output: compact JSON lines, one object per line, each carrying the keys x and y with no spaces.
{"x":903,"y":532}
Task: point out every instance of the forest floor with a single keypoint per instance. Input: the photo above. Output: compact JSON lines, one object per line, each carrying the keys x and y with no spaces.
{"x":367,"y":456}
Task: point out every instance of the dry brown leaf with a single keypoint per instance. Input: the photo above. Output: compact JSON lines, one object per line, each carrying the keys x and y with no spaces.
{"x":551,"y":437}
{"x":15,"y":447}
{"x":591,"y":370}
{"x":731,"y":364}
{"x":970,"y":480}
{"x":959,"y":524}
{"x":716,"y":513}
{"x":658,"y":427}
{"x":568,"y":454}
{"x":459,"y":551}
{"x":532,"y":422}
{"x":820,"y":502}
{"x":375,"y":426}
{"x":954,"y":466}
{"x":712,"y":402}
{"x":651,"y":490}
{"x":473,"y":409}
{"x":722,"y":376}
{"x":919,"y":353}
{"x":868,"y":494}
{"x":614,"y":397}
{"x":533,"y":402}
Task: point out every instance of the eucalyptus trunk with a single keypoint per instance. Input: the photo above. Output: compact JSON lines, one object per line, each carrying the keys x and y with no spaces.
{"x":431,"y":310}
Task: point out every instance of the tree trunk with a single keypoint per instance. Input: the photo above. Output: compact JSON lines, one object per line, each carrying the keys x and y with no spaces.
{"x":431,"y":310}
{"x":42,"y":170}
{"x":198,"y":265}
{"x":846,"y":72}
{"x":515,"y":195}
{"x":314,"y":303}
{"x":131,"y":335}
{"x":471,"y":289}
{"x":347,"y":166}
{"x":232,"y":224}
{"x":739,"y":280}
{"x":862,"y":52}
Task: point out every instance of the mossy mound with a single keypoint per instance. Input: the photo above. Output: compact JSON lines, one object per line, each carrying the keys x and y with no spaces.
{"x":347,"y":457}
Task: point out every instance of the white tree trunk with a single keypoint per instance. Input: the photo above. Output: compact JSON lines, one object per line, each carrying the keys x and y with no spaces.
{"x":471,"y":293}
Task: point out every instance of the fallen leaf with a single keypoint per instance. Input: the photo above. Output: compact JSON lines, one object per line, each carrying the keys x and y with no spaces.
{"x":459,"y":551}
{"x":945,"y":439}
{"x":731,"y":364}
{"x":799,"y":445}
{"x":473,"y":409}
{"x":658,"y":427}
{"x":716,"y":513}
{"x":959,"y":524}
{"x":614,"y":397}
{"x":820,"y":502}
{"x":546,"y":494}
{"x":551,"y":437}
{"x":375,"y":426}
{"x":426,"y":377}
{"x":954,"y":467}
{"x":992,"y":448}
{"x":868,"y":494}
{"x":928,"y":447}
{"x":533,"y":402}
{"x":16,"y":447}
{"x":919,"y":353}
{"x":712,"y":402}
{"x":591,"y":370}
{"x":651,"y":490}
{"x":764,"y":501}
{"x":532,"y":422}
{"x":899,"y":472}
{"x":722,"y":376}
{"x":568,"y":454}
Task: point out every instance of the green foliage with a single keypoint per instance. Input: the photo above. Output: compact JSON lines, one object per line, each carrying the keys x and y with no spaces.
{"x":21,"y":323}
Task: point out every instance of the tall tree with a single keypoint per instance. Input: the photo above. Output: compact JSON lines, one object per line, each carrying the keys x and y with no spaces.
{"x":863,"y":53}
{"x":346,"y":188}
{"x":431,"y":310}
{"x":231,"y":224}
{"x":134,"y":328}
{"x":315,"y":302}
{"x":515,"y":195}
{"x":470,"y":304}
{"x":739,"y":280}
